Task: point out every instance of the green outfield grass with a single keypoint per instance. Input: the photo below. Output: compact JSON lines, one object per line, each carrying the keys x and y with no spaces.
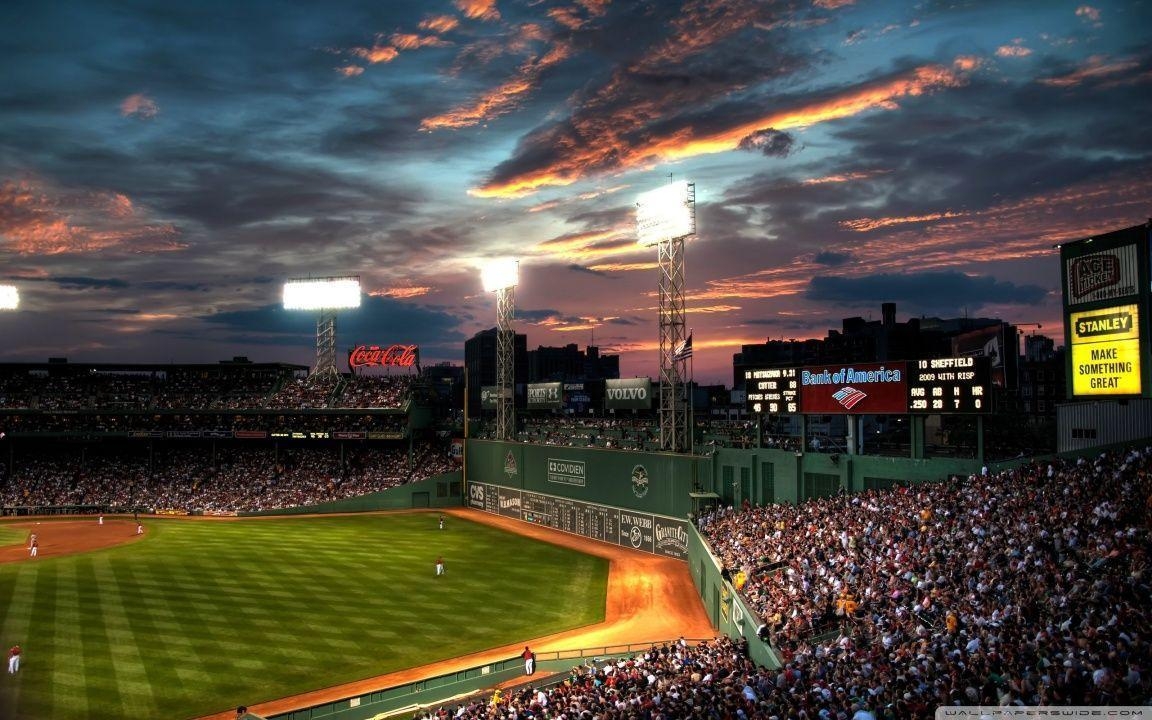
{"x":12,"y":536}
{"x":202,"y":616}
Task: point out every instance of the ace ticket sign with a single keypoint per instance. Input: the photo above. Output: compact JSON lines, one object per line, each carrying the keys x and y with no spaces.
{"x":1106,"y":351}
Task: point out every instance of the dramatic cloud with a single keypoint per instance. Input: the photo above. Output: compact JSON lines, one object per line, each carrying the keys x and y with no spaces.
{"x":772,"y":143}
{"x":38,"y":219}
{"x":478,"y":9}
{"x":586,"y":145}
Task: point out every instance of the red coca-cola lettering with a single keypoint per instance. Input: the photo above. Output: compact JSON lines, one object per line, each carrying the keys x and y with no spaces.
{"x":374,"y":355}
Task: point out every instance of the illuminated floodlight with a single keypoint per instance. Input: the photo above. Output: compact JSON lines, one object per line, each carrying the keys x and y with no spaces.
{"x":9,"y":297}
{"x":666,"y":213}
{"x":500,"y":274}
{"x":322,"y":293}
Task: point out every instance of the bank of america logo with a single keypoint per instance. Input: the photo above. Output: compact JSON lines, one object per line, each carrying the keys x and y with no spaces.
{"x":848,"y":396}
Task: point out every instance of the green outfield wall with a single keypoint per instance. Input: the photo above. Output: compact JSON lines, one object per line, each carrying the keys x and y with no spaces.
{"x":675,"y":485}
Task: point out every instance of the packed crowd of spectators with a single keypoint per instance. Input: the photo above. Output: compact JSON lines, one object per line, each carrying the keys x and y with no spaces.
{"x":231,"y":479}
{"x":375,"y":391}
{"x":714,"y":679}
{"x":81,"y":423}
{"x":1025,"y":587}
{"x":180,"y":389}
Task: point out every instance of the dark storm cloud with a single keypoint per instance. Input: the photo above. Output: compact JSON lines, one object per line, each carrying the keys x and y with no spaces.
{"x":830,"y":258}
{"x":590,"y":271}
{"x":84,"y":283}
{"x":772,"y":143}
{"x":929,"y":290}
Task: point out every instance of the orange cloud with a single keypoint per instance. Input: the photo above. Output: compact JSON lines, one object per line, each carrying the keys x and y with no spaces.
{"x":439,"y":24}
{"x":412,"y":41}
{"x":846,"y":177}
{"x":623,"y":267}
{"x":870,"y":224}
{"x":1094,"y":68}
{"x":504,"y":97}
{"x":607,"y":141}
{"x":833,"y":4}
{"x":401,"y":292}
{"x":38,"y":220}
{"x":350,"y":70}
{"x":588,"y":246}
{"x":139,"y":105}
{"x":377,"y":53}
{"x":478,"y":9}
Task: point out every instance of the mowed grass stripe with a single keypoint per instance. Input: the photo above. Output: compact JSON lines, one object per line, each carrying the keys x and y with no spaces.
{"x":135,"y":689}
{"x":229,"y":613}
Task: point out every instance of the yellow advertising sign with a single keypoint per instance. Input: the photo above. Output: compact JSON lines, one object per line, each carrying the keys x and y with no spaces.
{"x":1106,"y":351}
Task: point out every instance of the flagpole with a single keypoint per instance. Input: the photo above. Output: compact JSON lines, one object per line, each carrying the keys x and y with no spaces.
{"x":692,"y":400}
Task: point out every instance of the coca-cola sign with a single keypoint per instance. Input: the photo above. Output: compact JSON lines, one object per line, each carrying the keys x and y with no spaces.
{"x":378,"y":356}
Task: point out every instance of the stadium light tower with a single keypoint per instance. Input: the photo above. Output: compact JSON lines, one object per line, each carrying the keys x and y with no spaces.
{"x":665,"y":218}
{"x":325,"y":295}
{"x":501,"y":277}
{"x":9,"y":297}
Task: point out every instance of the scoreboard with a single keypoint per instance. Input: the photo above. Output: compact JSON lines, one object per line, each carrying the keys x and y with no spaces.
{"x":950,"y":385}
{"x":772,"y":390}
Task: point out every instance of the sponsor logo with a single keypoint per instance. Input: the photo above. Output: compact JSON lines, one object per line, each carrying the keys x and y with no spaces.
{"x":635,"y":537}
{"x":391,"y":356}
{"x":637,"y":393}
{"x":486,"y":396}
{"x":510,"y":468}
{"x":1094,"y":272}
{"x":476,"y":493}
{"x":848,"y":396}
{"x":671,"y":537}
{"x":639,"y":481}
{"x":545,"y":394}
{"x":850,"y":375}
{"x":510,"y":503}
{"x":566,"y":472}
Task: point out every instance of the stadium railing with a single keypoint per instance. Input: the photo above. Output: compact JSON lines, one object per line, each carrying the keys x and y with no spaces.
{"x":439,"y":689}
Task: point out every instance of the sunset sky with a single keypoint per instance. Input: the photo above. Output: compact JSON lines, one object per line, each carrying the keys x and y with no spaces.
{"x":164,"y":167}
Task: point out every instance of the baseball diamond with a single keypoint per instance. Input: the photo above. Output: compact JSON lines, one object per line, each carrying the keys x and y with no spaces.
{"x":199,"y":615}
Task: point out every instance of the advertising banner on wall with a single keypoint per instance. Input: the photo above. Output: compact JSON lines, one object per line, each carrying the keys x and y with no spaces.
{"x":545,"y":396}
{"x":1105,"y":275}
{"x":636,"y":530}
{"x":1106,"y":351}
{"x":854,"y":389}
{"x":628,"y":394}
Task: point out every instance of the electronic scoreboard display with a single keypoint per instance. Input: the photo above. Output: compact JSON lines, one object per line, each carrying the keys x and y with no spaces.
{"x":950,"y":385}
{"x":772,"y":390}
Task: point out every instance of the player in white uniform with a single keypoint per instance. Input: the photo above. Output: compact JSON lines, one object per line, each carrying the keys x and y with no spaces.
{"x":439,"y":566}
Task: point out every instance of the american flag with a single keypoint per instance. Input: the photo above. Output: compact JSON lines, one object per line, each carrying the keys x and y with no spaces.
{"x":683,"y":350}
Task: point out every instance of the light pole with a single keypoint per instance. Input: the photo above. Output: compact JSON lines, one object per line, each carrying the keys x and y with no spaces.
{"x":325,"y":295}
{"x":665,"y":218}
{"x":501,"y":277}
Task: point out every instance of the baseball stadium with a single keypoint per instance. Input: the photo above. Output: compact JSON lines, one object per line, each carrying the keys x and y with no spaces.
{"x":181,"y":576}
{"x":289,"y":542}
